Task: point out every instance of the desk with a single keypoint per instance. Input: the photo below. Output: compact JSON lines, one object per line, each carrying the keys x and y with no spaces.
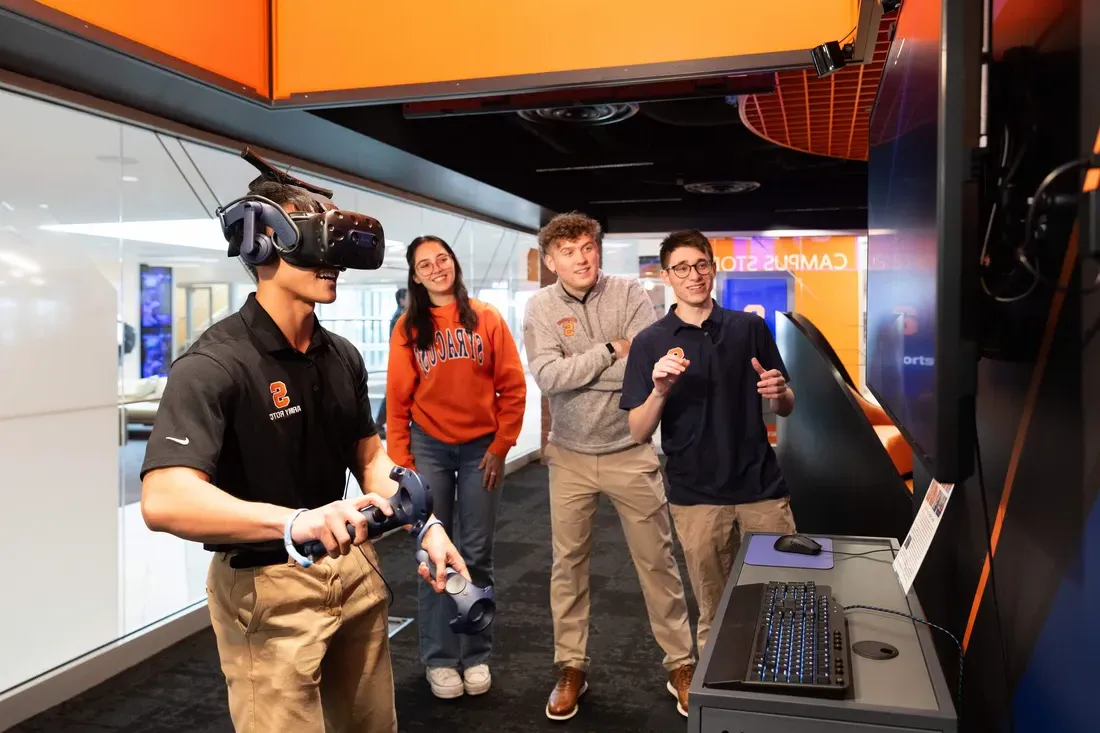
{"x":906,"y":694}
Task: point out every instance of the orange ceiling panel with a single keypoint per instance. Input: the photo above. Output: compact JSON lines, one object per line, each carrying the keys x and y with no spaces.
{"x":435,"y":42}
{"x":227,"y":39}
{"x":827,"y":116}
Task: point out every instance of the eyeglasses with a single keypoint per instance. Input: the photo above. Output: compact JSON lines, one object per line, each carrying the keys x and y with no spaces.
{"x":703,"y":267}
{"x":427,"y":267}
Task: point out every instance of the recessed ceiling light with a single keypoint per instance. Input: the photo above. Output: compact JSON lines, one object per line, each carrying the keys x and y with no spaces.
{"x":130,"y":179}
{"x":7,"y":206}
{"x":43,"y":206}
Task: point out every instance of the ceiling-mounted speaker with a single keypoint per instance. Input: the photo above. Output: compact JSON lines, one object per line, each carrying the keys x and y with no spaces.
{"x":828,"y":58}
{"x":581,"y":114}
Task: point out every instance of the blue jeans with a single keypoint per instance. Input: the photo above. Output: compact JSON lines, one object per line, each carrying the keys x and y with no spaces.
{"x":458,"y":492}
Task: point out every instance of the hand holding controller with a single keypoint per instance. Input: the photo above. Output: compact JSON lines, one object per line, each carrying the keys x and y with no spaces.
{"x":410,"y":506}
{"x":473,"y":607}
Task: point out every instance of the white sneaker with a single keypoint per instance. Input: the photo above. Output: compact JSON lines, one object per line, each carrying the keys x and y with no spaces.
{"x":477,"y":679}
{"x":445,"y":682}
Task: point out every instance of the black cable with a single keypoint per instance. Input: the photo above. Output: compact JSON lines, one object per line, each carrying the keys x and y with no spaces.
{"x":184,"y":176}
{"x":389,"y":590}
{"x":861,"y":554}
{"x":993,"y":578}
{"x":1029,"y":226}
{"x":929,"y":624}
{"x":1002,"y":183}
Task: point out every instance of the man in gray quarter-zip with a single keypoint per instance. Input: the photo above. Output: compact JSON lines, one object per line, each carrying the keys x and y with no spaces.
{"x":577,"y":333}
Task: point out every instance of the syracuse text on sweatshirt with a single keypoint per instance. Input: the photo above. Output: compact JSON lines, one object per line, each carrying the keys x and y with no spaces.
{"x":468,"y":385}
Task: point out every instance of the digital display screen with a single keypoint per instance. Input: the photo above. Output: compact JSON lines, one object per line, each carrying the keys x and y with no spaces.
{"x":902,"y":244}
{"x":156,"y":320}
{"x":764,"y":296}
{"x":156,"y":352}
{"x":156,"y":296}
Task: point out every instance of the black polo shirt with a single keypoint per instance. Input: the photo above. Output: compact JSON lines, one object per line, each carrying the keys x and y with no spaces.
{"x":712,"y":427}
{"x":265,"y":421}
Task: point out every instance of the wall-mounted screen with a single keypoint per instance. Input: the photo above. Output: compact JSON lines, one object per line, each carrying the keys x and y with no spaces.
{"x":764,"y":294}
{"x":156,"y":320}
{"x":920,"y":252}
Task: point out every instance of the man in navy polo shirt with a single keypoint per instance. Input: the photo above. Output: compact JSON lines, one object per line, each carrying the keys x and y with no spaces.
{"x":701,"y":372}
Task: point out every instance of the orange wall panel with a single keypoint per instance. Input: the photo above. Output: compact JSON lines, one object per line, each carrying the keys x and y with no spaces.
{"x":363,"y":44}
{"x":229,"y":38}
{"x":826,"y":277}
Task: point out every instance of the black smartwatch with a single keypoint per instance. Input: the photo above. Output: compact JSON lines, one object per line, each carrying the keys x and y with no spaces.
{"x":611,"y":349}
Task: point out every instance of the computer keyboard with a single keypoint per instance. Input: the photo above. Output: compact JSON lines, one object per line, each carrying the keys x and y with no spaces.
{"x":786,"y":638}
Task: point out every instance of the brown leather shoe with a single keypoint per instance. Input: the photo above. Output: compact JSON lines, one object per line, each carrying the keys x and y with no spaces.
{"x":679,"y":683}
{"x":572,"y":683}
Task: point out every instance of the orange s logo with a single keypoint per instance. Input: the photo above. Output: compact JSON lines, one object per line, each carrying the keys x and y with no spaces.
{"x":677,"y":352}
{"x":909,"y":319}
{"x":278,"y":395}
{"x":568,"y":326}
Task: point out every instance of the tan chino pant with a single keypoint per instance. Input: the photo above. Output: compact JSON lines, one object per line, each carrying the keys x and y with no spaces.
{"x":305,"y":649}
{"x":711,"y":536}
{"x":631,"y":478}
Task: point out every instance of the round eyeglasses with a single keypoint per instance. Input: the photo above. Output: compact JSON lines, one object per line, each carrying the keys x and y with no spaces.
{"x":427,"y":267}
{"x":704,"y":267}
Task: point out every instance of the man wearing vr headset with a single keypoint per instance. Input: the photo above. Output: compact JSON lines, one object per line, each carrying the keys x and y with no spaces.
{"x":260,"y":421}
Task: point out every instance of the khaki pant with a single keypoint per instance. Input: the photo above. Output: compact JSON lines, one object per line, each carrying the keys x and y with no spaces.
{"x":632,"y":479}
{"x":711,"y":536}
{"x":305,"y":649}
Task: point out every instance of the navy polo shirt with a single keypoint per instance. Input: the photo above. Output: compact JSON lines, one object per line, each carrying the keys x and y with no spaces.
{"x":712,"y":427}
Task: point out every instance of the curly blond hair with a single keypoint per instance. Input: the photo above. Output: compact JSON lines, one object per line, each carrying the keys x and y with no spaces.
{"x":573,"y":225}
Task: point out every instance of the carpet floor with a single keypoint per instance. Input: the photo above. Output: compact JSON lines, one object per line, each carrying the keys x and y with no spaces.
{"x":182,"y":689}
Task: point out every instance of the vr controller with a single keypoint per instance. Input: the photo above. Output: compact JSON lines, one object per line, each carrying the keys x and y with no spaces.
{"x":412,"y":504}
{"x":474,"y":607}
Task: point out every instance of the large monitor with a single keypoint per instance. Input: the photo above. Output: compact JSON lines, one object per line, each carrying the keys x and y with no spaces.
{"x":922,"y":251}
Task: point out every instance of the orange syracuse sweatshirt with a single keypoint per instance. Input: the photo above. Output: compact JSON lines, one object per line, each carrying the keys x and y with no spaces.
{"x":467,"y":386}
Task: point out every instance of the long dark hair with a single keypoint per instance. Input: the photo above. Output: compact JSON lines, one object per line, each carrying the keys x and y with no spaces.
{"x":419,"y":328}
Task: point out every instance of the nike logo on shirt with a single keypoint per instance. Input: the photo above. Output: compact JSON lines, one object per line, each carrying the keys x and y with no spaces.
{"x":181,"y":441}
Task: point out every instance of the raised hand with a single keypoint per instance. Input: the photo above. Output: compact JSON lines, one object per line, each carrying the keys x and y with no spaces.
{"x":667,"y":371}
{"x":771,"y":385}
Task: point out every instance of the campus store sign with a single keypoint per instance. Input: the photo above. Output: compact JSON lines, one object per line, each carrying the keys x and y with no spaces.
{"x":789,"y":254}
{"x":825,"y":271}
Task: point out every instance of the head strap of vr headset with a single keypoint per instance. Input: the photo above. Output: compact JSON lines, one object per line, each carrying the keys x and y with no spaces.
{"x":268,"y":172}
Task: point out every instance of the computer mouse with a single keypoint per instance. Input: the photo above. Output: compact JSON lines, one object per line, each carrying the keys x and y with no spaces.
{"x":798,"y":543}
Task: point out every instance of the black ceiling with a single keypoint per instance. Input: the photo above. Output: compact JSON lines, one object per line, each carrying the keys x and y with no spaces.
{"x":689,"y":141}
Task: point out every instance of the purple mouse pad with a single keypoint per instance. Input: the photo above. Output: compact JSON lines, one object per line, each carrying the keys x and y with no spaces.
{"x":762,"y":552}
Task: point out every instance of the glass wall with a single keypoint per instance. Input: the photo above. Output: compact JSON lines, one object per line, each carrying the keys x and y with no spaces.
{"x":111,"y":264}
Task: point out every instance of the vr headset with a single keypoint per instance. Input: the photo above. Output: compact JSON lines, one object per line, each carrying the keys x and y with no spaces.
{"x":326,"y":237}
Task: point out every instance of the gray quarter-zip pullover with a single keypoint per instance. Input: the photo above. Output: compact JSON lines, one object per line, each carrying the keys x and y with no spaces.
{"x":566,"y":341}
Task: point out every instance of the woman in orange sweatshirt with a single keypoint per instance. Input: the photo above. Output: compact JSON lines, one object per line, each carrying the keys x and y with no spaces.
{"x":455,"y":397}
